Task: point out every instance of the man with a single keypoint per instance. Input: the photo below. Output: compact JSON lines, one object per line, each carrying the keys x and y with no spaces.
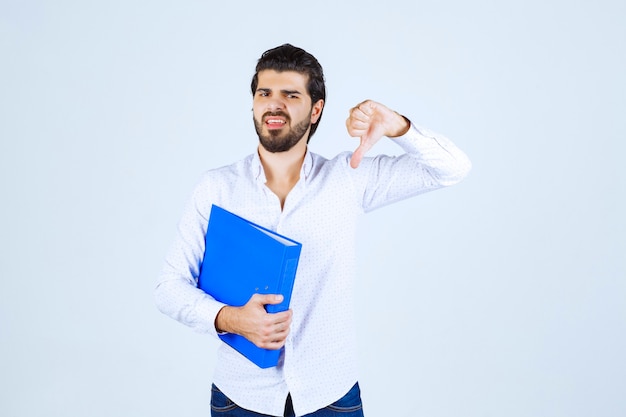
{"x":285,"y":187}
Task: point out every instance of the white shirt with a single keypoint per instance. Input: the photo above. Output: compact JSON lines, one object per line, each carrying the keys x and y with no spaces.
{"x":318,"y":362}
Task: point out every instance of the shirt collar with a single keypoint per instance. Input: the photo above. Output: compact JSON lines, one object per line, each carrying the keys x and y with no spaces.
{"x":307,"y":164}
{"x":256,"y":168}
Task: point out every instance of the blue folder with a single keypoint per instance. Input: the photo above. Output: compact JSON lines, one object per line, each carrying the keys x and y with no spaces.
{"x":242,"y":258}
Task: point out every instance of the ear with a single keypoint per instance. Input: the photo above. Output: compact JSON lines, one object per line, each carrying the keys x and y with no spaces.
{"x":316,"y":111}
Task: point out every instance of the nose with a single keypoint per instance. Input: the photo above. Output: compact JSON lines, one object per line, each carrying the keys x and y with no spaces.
{"x":275,"y":104}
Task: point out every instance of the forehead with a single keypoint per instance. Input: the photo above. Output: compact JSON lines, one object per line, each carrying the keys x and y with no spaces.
{"x":282,"y":80}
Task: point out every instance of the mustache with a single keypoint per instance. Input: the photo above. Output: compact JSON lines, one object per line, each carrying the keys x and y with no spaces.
{"x":275,"y":114}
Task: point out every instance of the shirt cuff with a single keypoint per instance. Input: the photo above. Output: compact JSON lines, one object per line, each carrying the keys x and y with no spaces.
{"x":208,"y":314}
{"x":415,"y":136}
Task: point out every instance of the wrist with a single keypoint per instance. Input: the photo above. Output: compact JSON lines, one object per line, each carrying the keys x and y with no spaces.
{"x":223,"y":320}
{"x":402,"y":126}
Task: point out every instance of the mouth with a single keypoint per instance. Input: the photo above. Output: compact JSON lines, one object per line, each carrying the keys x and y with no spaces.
{"x":275,"y":122}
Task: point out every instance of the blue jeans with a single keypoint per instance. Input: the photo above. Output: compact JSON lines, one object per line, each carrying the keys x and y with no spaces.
{"x":348,"y":406}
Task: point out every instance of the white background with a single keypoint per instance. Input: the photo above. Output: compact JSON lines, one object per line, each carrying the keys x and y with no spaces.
{"x":502,"y":296}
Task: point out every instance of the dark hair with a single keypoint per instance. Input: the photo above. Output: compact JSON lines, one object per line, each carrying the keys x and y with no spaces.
{"x":291,"y":58}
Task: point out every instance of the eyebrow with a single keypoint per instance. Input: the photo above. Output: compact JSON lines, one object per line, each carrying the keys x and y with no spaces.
{"x":269,"y":90}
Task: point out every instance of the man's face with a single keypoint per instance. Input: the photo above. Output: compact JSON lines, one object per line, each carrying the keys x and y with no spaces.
{"x":282,"y":109}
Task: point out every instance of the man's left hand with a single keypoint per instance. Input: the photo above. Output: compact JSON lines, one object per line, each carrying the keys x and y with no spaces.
{"x":370,"y":121}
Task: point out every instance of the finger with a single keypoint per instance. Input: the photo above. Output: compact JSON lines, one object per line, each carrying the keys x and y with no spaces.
{"x":281,"y":330}
{"x":362,"y":112}
{"x":277,"y":338}
{"x":367,"y":107}
{"x":281,"y":318}
{"x":359,"y":114}
{"x":272,"y":344}
{"x":358,"y":124}
{"x":279,"y":341}
{"x":356,"y":128}
{"x":357,"y":132}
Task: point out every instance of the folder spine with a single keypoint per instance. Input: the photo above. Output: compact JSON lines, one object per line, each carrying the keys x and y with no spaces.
{"x":288,"y":275}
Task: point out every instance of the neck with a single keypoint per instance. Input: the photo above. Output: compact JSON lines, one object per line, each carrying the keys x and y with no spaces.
{"x":282,"y":169}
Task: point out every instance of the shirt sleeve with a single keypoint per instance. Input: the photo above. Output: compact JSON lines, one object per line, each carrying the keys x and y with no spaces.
{"x":430,"y":162}
{"x":176,"y":293}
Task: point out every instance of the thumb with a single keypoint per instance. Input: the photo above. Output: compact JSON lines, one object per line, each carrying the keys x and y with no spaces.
{"x":358,"y":154}
{"x":265,"y":299}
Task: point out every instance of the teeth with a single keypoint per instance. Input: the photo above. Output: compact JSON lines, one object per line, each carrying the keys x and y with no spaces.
{"x":275,"y":121}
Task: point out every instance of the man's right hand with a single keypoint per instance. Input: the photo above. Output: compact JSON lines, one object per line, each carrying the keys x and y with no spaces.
{"x":265,"y":330}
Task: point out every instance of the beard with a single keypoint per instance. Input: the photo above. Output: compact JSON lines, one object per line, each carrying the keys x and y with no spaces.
{"x":278,"y":140}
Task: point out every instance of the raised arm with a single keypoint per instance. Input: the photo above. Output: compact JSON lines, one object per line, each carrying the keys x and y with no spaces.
{"x":430,"y":161}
